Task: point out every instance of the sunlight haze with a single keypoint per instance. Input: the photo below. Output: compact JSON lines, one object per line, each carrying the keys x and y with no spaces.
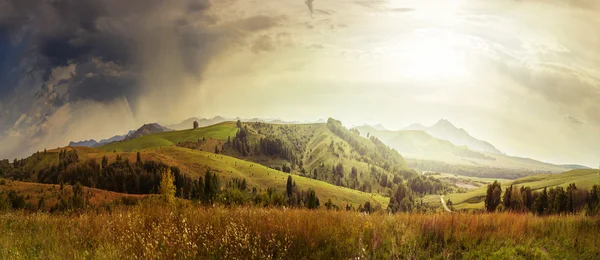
{"x":522,"y":75}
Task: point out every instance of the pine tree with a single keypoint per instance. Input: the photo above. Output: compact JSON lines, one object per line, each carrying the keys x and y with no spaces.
{"x":289,"y":187}
{"x":138,"y":158}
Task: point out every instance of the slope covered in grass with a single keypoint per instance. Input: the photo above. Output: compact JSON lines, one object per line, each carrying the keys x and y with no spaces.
{"x":337,"y":163}
{"x":52,"y":193}
{"x":195,"y":163}
{"x":220,"y":131}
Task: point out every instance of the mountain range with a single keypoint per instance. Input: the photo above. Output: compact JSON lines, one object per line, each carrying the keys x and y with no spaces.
{"x":444,"y":142}
{"x":445,"y":130}
{"x":202,"y":122}
{"x":94,"y":143}
{"x":145,"y":129}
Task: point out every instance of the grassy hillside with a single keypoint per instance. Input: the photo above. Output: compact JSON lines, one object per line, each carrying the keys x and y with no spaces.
{"x":195,"y":163}
{"x":51,"y":193}
{"x":220,"y":131}
{"x":337,"y":163}
{"x":311,"y":150}
{"x":583,"y":179}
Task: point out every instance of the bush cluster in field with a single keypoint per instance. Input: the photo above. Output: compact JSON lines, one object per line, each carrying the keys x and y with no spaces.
{"x":155,"y":230}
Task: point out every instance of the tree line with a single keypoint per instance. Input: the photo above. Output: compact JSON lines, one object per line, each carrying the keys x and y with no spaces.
{"x":555,"y":200}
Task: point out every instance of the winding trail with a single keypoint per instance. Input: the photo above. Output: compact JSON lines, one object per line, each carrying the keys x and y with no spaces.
{"x":444,"y":204}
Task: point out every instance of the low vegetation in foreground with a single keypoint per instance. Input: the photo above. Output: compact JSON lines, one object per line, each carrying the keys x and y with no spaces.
{"x":184,"y":230}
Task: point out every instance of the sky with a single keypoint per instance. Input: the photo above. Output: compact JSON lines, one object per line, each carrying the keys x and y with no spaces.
{"x":522,"y":75}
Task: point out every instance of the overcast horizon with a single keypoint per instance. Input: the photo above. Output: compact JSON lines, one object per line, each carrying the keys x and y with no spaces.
{"x":522,"y":75}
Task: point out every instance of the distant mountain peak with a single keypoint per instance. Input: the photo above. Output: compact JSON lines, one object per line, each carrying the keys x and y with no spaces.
{"x":415,"y":126}
{"x":445,"y":124}
{"x":445,"y":130}
{"x":146,"y":129}
{"x":379,"y":127}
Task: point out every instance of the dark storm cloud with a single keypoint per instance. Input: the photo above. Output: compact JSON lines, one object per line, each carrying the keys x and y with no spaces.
{"x":56,"y":54}
{"x":62,"y":32}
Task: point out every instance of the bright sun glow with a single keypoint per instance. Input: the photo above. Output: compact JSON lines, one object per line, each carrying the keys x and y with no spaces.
{"x":434,"y":59}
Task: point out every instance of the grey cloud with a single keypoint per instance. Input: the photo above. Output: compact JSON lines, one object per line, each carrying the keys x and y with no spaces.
{"x":263,"y":43}
{"x":381,"y":6}
{"x":324,"y":12}
{"x":259,"y":23}
{"x":116,"y":49}
{"x":267,"y":42}
{"x":309,"y":4}
{"x":573,"y":120}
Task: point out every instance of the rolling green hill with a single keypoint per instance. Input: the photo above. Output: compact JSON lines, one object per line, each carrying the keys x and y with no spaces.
{"x":220,"y":131}
{"x":195,"y":163}
{"x":309,"y":142}
{"x":310,"y":150}
{"x":336,"y":162}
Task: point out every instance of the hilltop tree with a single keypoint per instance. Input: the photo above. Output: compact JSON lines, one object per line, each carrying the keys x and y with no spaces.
{"x":492,"y":198}
{"x":195,"y":124}
{"x":167,"y":187}
{"x":238,"y":124}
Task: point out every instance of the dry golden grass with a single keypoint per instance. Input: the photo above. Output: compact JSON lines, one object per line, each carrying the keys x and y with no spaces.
{"x":153,"y":230}
{"x":51,"y":193}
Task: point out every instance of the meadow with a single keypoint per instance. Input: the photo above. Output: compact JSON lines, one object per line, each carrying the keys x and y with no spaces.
{"x":473,"y":199}
{"x":153,"y":230}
